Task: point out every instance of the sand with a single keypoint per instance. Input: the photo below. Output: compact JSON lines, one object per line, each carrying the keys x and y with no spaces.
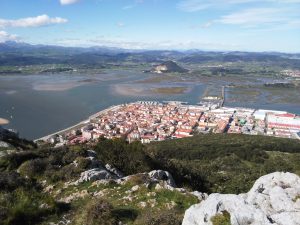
{"x":3,"y":121}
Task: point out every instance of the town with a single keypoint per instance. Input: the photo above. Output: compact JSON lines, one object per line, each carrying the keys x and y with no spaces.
{"x":155,"y":121}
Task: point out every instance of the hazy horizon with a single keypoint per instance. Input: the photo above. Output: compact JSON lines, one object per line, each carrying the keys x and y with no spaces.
{"x":222,"y":25}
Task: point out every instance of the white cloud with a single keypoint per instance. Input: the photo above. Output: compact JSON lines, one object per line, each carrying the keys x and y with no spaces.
{"x":255,"y":16}
{"x":68,"y":2}
{"x":4,"y":36}
{"x":198,"y":5}
{"x":37,"y":21}
{"x":128,"y":7}
{"x":138,"y":45}
{"x":207,"y":25}
{"x":120,"y":24}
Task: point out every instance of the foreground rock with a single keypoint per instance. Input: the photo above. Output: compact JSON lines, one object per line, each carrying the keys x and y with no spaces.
{"x":95,"y":174}
{"x":162,"y":175}
{"x":273,"y":199}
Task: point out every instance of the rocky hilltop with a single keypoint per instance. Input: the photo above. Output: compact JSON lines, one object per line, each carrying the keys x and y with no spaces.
{"x":274,"y":199}
{"x":112,"y":182}
{"x":168,"y":67}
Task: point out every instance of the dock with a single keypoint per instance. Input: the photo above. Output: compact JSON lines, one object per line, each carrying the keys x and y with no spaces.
{"x":223,"y":96}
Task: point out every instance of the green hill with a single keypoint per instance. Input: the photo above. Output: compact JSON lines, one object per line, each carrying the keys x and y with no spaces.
{"x":39,"y":185}
{"x":225,"y":163}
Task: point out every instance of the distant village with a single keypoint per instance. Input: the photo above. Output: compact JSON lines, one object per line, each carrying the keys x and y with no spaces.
{"x":155,"y":121}
{"x":291,"y":73}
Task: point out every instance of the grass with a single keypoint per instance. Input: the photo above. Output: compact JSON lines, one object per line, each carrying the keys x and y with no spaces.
{"x":221,"y":219}
{"x":127,"y":210}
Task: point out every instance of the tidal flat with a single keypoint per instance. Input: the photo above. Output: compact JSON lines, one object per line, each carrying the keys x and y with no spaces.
{"x":37,"y":105}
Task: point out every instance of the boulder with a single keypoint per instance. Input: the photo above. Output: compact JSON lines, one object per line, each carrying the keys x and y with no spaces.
{"x":161,"y":175}
{"x":240,"y":212}
{"x":156,"y":178}
{"x":201,"y":196}
{"x":275,"y":193}
{"x":114,"y":170}
{"x":4,"y":144}
{"x":95,"y":174}
{"x":95,"y":163}
{"x":273,"y":199}
{"x":91,"y":153}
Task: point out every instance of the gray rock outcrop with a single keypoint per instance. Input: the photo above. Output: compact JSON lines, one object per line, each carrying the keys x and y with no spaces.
{"x":273,"y":199}
{"x":162,"y":175}
{"x":114,"y":170}
{"x":95,"y":174}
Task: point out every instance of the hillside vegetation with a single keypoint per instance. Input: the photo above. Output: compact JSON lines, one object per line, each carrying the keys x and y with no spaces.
{"x":37,"y":184}
{"x":225,"y":163}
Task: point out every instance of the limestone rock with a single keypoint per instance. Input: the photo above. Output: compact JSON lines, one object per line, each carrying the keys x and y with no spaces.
{"x":114,"y":170}
{"x":91,"y":153}
{"x":274,"y":193}
{"x":241,"y":213}
{"x":156,"y":177}
{"x":4,"y":144}
{"x":161,"y":175}
{"x":135,"y":188}
{"x":95,"y":163}
{"x":95,"y":174}
{"x":273,"y":199}
{"x":201,"y":196}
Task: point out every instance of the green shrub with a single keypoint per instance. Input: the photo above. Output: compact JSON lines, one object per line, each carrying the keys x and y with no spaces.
{"x":221,"y":219}
{"x":138,"y":179}
{"x":33,"y":168}
{"x":9,"y":181}
{"x":13,"y":161}
{"x":129,"y":158}
{"x":26,"y":207}
{"x":83,"y":163}
{"x":162,"y":217}
{"x":96,"y":212}
{"x":65,"y":173}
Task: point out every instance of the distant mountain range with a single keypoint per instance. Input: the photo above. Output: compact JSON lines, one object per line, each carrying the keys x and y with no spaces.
{"x":16,"y":54}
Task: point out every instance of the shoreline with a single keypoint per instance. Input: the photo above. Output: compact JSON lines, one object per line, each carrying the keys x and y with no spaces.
{"x":211,"y":108}
{"x":78,"y":125}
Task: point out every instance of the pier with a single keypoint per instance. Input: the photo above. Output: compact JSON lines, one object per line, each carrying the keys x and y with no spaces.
{"x":223,"y":96}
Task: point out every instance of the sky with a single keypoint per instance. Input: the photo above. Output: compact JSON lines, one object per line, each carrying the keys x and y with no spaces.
{"x":243,"y":25}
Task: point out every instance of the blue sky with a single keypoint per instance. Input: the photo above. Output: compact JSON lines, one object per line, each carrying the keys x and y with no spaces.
{"x":251,"y":25}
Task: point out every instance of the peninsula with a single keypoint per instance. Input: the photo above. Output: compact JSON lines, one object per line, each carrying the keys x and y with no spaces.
{"x":158,"y":121}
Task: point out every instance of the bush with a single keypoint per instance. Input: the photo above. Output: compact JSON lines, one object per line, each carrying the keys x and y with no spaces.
{"x":225,"y":163}
{"x":129,"y":158}
{"x":163,"y":217}
{"x":83,"y":163}
{"x":13,"y":161}
{"x":139,"y":179}
{"x":221,"y":219}
{"x":66,"y":173}
{"x":9,"y":181}
{"x":33,"y":168}
{"x":26,"y":207}
{"x":96,"y":212}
